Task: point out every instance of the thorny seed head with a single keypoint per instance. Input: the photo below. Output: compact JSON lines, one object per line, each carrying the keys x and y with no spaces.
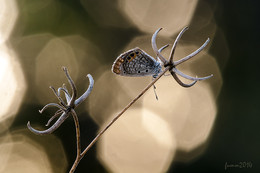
{"x":64,"y":107}
{"x":173,"y":64}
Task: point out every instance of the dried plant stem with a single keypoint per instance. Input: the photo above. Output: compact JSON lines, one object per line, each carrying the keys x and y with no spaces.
{"x":119,"y":114}
{"x":81,"y":155}
{"x":66,"y":109}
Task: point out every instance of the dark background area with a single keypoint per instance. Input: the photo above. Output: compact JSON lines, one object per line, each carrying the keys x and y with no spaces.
{"x":235,"y":137}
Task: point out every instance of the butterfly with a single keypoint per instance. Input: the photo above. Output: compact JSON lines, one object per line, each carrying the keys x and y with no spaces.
{"x":136,"y":63}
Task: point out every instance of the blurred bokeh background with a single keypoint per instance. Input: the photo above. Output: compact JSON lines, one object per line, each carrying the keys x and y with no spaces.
{"x":200,"y":129}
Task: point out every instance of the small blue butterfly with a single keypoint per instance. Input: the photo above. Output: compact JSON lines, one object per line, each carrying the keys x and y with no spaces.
{"x":136,"y":63}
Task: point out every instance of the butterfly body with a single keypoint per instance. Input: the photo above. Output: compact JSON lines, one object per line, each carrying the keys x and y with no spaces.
{"x":136,"y":63}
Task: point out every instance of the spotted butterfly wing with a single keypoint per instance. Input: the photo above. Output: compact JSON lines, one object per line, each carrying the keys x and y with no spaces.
{"x":136,"y":62}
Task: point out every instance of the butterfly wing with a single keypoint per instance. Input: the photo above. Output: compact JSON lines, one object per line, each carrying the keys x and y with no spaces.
{"x":136,"y":62}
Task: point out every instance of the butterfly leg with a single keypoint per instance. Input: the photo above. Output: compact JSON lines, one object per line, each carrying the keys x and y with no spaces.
{"x":154,"y":89}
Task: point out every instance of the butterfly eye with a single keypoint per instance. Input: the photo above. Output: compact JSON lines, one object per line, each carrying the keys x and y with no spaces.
{"x":146,"y":71}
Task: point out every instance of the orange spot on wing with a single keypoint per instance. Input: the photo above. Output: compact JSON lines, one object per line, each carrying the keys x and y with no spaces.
{"x":117,"y":64}
{"x":133,"y":57}
{"x":121,"y":60}
{"x":117,"y":71}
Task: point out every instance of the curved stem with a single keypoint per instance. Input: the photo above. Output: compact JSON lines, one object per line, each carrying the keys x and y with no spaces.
{"x":66,"y":93}
{"x":86,"y":94}
{"x":189,"y":77}
{"x":192,"y":54}
{"x":57,"y":113}
{"x":155,"y":48}
{"x":58,"y":96}
{"x":52,"y":105}
{"x":175,"y":43}
{"x":180,"y":82}
{"x":73,"y":87}
{"x":57,"y":124}
{"x":160,"y":50}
